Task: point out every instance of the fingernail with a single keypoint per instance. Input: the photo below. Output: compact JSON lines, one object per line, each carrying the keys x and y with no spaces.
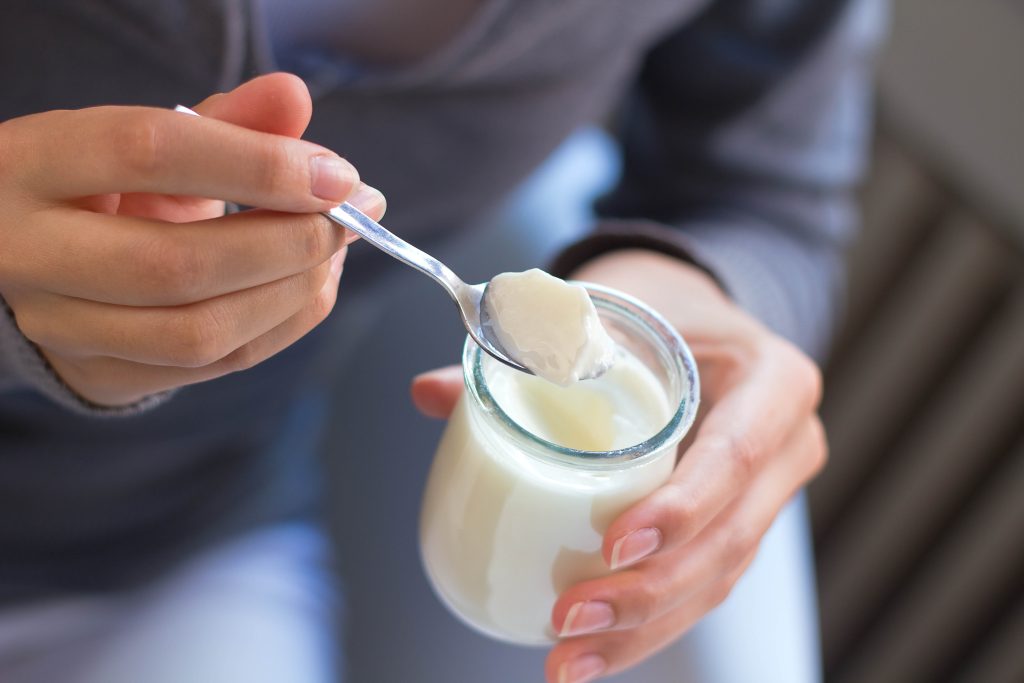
{"x":587,"y":617}
{"x":635,"y":546}
{"x":332,"y":177}
{"x":582,"y":669}
{"x":368,"y":198}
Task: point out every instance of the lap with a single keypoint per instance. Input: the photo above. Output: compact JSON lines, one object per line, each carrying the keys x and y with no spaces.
{"x":257,"y":608}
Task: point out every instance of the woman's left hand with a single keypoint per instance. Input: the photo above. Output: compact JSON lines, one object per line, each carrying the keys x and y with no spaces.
{"x":678,"y":553}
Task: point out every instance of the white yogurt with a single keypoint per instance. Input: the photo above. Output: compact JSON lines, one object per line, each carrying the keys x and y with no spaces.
{"x":504,"y":531}
{"x":548,"y":326}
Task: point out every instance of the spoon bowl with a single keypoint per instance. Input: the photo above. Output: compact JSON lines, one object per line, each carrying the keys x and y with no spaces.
{"x":469,"y":299}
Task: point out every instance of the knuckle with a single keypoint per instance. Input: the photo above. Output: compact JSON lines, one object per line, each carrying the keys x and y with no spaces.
{"x":193,"y":339}
{"x":644,"y":600}
{"x":243,"y":358}
{"x":317,"y":239}
{"x":744,"y":454}
{"x":736,"y":545}
{"x":139,"y":141}
{"x":738,"y":452}
{"x":174,"y":268}
{"x":680,"y":512}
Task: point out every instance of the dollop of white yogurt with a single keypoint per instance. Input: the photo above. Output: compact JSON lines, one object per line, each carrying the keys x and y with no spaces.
{"x":548,"y":326}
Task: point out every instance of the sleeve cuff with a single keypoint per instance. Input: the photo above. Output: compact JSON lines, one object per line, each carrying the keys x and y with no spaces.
{"x":23,"y":366}
{"x":613,"y":235}
{"x":792,"y":292}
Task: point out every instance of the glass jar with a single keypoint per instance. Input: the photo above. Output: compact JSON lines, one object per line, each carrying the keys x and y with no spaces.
{"x":509,"y":519}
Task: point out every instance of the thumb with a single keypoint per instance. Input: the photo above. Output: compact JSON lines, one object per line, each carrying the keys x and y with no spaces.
{"x":435,"y":393}
{"x":277,"y":103}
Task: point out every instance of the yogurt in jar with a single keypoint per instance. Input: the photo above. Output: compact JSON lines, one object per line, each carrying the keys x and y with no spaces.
{"x":529,"y":474}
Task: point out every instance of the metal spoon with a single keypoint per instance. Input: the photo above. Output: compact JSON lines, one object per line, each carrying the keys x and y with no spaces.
{"x":469,"y":299}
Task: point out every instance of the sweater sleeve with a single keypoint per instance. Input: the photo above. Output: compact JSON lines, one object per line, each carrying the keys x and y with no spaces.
{"x":742,"y":138}
{"x":23,"y":367}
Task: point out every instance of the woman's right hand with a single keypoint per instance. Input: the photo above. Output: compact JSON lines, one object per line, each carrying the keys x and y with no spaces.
{"x":129,"y":278}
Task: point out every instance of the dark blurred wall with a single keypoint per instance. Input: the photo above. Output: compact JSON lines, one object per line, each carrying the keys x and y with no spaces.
{"x":919,"y":518}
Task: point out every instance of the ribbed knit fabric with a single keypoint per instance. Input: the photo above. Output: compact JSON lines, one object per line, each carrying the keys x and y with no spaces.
{"x":22,"y":365}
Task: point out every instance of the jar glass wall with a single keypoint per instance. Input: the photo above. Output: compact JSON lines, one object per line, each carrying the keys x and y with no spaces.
{"x":511,"y":519}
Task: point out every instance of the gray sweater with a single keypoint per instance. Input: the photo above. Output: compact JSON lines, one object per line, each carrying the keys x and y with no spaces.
{"x":743,"y":125}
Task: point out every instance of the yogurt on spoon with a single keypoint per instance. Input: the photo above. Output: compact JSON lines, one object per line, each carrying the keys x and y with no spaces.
{"x":548,"y":325}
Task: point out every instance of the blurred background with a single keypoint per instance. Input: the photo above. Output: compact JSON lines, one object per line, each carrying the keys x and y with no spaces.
{"x":919,"y":517}
{"x":918,"y":521}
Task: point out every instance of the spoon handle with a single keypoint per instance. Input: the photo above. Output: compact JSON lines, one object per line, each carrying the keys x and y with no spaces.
{"x":382,"y":238}
{"x":376,"y":234}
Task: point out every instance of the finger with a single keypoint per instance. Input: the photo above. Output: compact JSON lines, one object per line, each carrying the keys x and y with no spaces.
{"x":737,"y":436}
{"x":435,"y":393}
{"x":274,"y":103}
{"x":181,"y":336}
{"x":114,"y":382}
{"x":67,"y":154}
{"x":168,"y":207}
{"x":277,"y":103}
{"x":643,"y":593}
{"x":580,"y":660}
{"x":151,"y":263}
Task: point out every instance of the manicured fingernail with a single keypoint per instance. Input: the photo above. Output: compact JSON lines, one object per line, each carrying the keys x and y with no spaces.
{"x":332,"y":177}
{"x":635,"y":546}
{"x":587,"y":617}
{"x":582,"y":669}
{"x":368,"y":199}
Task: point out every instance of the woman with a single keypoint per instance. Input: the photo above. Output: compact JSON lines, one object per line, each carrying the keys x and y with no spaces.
{"x":161,"y":380}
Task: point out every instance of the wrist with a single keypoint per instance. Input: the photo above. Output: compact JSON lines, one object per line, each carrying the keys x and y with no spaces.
{"x":722,"y":335}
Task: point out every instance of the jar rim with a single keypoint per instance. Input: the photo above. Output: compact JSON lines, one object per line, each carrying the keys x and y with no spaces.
{"x":670,"y":343}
